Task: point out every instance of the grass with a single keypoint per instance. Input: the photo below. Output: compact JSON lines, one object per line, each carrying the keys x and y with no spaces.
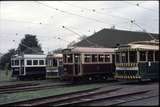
{"x":4,"y":76}
{"x":21,"y":96}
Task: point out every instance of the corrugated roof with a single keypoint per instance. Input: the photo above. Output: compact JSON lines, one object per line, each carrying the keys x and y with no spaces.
{"x":91,"y":50}
{"x":111,"y":37}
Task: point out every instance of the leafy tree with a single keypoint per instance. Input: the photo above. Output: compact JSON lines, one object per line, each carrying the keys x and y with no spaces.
{"x":29,"y":45}
{"x":6,"y":59}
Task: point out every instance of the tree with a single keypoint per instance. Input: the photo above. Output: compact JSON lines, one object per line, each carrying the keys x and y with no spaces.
{"x":6,"y":59}
{"x":29,"y":45}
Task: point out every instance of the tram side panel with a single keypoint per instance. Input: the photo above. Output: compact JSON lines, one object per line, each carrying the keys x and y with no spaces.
{"x":98,"y":69}
{"x":149,"y":70}
{"x":35,"y":72}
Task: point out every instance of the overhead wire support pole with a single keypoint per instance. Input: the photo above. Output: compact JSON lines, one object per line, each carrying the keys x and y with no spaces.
{"x":133,"y":22}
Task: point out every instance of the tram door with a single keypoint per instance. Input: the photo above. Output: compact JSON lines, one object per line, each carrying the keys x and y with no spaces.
{"x":77,"y":64}
{"x":21,"y":67}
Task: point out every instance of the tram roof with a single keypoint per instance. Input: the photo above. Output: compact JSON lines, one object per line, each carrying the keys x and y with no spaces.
{"x":30,"y":56}
{"x":90,"y":49}
{"x":57,"y":55}
{"x":141,"y":46}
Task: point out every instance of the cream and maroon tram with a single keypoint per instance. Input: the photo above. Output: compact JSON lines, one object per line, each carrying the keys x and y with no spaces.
{"x":28,"y":66}
{"x":138,"y":61}
{"x":54,"y":65}
{"x":86,"y":63}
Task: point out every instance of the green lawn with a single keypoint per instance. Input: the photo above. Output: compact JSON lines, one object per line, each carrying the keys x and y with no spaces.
{"x":4,"y":75}
{"x":21,"y":96}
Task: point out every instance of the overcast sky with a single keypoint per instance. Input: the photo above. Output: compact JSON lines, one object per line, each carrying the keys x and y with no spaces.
{"x":46,"y":18}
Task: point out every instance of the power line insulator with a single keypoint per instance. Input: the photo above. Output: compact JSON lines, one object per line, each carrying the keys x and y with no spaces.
{"x":137,"y":4}
{"x":132,"y":21}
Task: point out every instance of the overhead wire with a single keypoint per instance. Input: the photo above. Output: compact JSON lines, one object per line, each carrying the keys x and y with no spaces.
{"x":66,"y":12}
{"x":138,"y":5}
{"x":95,"y":11}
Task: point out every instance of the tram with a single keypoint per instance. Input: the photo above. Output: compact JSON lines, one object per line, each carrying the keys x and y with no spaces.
{"x":28,"y":66}
{"x":87,"y":63}
{"x":138,"y":61}
{"x":54,"y":65}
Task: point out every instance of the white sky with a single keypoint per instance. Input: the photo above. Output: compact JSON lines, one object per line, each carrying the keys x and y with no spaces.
{"x":18,"y":18}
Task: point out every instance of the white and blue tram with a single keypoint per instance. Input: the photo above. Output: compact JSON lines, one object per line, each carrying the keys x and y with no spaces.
{"x":28,"y":66}
{"x":54,"y":65}
{"x":138,"y":61}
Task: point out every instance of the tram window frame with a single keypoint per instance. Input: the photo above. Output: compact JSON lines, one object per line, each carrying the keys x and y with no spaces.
{"x":150,"y":55}
{"x":76,"y":58}
{"x":117,"y":57}
{"x":49,"y":62}
{"x":12,"y":62}
{"x":29,"y":62}
{"x":34,"y":62}
{"x":64,"y":58}
{"x":106,"y":58}
{"x":142,"y":58}
{"x":22,"y":62}
{"x":16,"y":62}
{"x":125,"y":57}
{"x":70,"y":58}
{"x":157,"y":57}
{"x":54,"y":62}
{"x":40,"y":62}
{"x":60,"y":63}
{"x":101,"y":57}
{"x":87,"y":58}
{"x":132,"y":58}
{"x":94,"y":58}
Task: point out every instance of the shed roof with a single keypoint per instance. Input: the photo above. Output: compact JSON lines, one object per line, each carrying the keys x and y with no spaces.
{"x":112,"y":37}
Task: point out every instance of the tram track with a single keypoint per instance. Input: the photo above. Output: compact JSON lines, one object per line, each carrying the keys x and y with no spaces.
{"x":32,"y":87}
{"x":4,"y":87}
{"x":48,"y":99}
{"x":85,"y":100}
{"x":83,"y":97}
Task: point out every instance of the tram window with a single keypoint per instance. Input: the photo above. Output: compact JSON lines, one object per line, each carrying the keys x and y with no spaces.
{"x":142,"y":56}
{"x":124,"y":56}
{"x":157,"y":58}
{"x":107,"y":58}
{"x":64,"y":58}
{"x":54,"y":62}
{"x":49,"y":62}
{"x":60,"y":63}
{"x":41,"y":62}
{"x":133,"y":56}
{"x":22,"y":62}
{"x":16,"y":62}
{"x":29,"y":62}
{"x":12,"y":62}
{"x":100,"y":58}
{"x":76,"y":57}
{"x":69,"y":58}
{"x":150,"y":55}
{"x":117,"y":57}
{"x":35,"y":62}
{"x":87,"y":58}
{"x":94,"y":58}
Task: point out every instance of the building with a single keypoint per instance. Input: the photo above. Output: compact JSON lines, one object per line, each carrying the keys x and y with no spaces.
{"x":112,"y":37}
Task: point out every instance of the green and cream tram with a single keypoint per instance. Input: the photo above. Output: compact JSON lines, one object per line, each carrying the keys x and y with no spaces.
{"x":54,"y":65}
{"x":138,"y":61}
